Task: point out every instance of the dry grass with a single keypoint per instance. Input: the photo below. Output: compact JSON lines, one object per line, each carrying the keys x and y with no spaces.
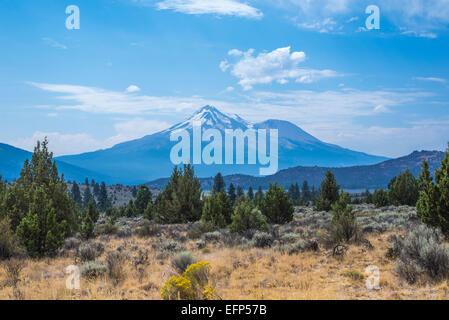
{"x":237,"y":274}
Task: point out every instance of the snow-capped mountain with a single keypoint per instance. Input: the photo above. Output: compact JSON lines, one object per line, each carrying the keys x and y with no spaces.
{"x":148,"y":158}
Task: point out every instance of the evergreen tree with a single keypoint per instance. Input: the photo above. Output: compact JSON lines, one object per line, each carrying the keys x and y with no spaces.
{"x":180,"y":201}
{"x":131,"y":210}
{"x":344,"y":222}
{"x":403,"y":189}
{"x":329,"y":193}
{"x":276,"y":206}
{"x":144,"y":197}
{"x":219,"y":184}
{"x":134,"y":191}
{"x":38,"y":205}
{"x":231,"y":193}
{"x":217,"y":209}
{"x":240,"y":193}
{"x":291,"y":193}
{"x":380,"y":198}
{"x":92,"y":211}
{"x":86,"y":182}
{"x":96,"y":190}
{"x":367,"y":197}
{"x":305,"y":192}
{"x":259,"y":196}
{"x":149,"y":211}
{"x":247,"y":217}
{"x":433,"y":203}
{"x":90,"y":216}
{"x":103,"y":200}
{"x":88,"y":197}
{"x":250,"y":193}
{"x":76,"y":194}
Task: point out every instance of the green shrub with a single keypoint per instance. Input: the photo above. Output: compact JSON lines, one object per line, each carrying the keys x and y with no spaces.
{"x":148,"y":229}
{"x":212,"y":236}
{"x":276,"y":205}
{"x":90,"y":251}
{"x":329,"y":193}
{"x":93,"y":270}
{"x":182,"y":261}
{"x":403,"y":189}
{"x":380,"y":198}
{"x":262,"y":239}
{"x":217,"y":209}
{"x":433,"y":203}
{"x":106,"y":228}
{"x":246,"y":217}
{"x":423,"y":255}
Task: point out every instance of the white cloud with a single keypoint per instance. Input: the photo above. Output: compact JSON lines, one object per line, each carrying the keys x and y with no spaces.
{"x":431,"y":79}
{"x":279,"y":65}
{"x":66,"y":144}
{"x":222,"y":7}
{"x":419,"y":18}
{"x":53,"y":43}
{"x":332,"y":116}
{"x":132,"y":88}
{"x":101,"y":101}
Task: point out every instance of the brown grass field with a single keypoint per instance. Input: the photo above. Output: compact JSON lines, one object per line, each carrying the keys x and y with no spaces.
{"x":237,"y":274}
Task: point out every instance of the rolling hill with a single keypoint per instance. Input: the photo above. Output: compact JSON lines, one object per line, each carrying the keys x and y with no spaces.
{"x":350,"y":178}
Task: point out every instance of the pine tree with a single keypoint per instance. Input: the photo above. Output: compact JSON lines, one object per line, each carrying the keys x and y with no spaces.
{"x":217,"y":209}
{"x":247,"y":217}
{"x":103,"y":200}
{"x":96,"y":190}
{"x":231,"y":193}
{"x":144,"y":197}
{"x":219,"y":184}
{"x":329,"y":193}
{"x":76,"y":194}
{"x":276,"y":206}
{"x":87,"y":226}
{"x":259,"y":197}
{"x":368,"y":197}
{"x":305,"y":192}
{"x":38,"y":205}
{"x":250,"y":193}
{"x":240,"y":193}
{"x":92,"y":212}
{"x":380,"y":198}
{"x":403,"y":189}
{"x":291,"y":193}
{"x":433,"y":203}
{"x":88,"y":197}
{"x":180,"y":201}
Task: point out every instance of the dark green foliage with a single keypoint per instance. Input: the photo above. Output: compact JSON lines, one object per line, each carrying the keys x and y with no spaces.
{"x":103,"y":200}
{"x":134,"y":191}
{"x":294,"y":194}
{"x":276,"y":206}
{"x":329,"y":193}
{"x":250,"y":193}
{"x":88,"y":197}
{"x":180,"y":201}
{"x":96,"y":189}
{"x":144,"y":197}
{"x":217,"y":209}
{"x":262,"y":240}
{"x":367,"y":197}
{"x":247,"y":217}
{"x":306,"y":192}
{"x":433,"y":203}
{"x":240,"y":193}
{"x":76,"y":194}
{"x":232,"y":194}
{"x":87,"y":223}
{"x":219,"y":184}
{"x":403,"y":189}
{"x":148,"y":213}
{"x":259,"y":196}
{"x":344,"y":226}
{"x":380,"y":198}
{"x":130,"y":210}
{"x":38,"y":205}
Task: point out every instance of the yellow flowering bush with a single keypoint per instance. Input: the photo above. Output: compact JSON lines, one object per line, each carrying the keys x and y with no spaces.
{"x":192,"y":285}
{"x":178,"y":288}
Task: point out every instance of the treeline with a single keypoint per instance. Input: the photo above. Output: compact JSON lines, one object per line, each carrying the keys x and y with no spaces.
{"x":38,"y":212}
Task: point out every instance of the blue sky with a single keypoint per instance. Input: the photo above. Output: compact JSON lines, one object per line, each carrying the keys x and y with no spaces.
{"x":138,"y":66}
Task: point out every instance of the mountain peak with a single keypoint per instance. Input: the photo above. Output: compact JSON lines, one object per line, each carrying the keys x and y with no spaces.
{"x":211,"y":117}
